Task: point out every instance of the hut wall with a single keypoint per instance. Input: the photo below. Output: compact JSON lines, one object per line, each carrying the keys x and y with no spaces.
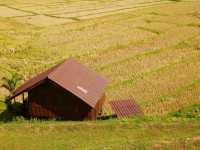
{"x":93,"y":114}
{"x":50,"y":101}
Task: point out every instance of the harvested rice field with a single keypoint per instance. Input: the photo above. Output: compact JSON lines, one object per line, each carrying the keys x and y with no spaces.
{"x":149,"y":50}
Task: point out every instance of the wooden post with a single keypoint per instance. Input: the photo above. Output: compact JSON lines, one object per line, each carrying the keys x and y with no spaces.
{"x":23,"y":97}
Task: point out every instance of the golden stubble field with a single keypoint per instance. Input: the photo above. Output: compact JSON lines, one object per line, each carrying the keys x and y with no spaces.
{"x":148,"y":49}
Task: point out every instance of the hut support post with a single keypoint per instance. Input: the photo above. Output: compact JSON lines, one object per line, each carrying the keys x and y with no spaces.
{"x":23,"y":97}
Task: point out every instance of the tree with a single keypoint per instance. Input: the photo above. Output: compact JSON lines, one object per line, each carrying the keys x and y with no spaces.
{"x":11,"y":83}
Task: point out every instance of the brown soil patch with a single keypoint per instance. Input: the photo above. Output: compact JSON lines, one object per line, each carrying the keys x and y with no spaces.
{"x":9,"y":12}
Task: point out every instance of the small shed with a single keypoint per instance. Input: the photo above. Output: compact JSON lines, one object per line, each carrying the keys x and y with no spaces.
{"x":125,"y":108}
{"x":68,"y":91}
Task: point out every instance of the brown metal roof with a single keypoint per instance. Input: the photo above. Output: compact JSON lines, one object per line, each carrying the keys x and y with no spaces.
{"x":32,"y":82}
{"x":72,"y":76}
{"x":125,"y":108}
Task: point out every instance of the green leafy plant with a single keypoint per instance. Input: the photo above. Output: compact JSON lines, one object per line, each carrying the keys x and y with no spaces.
{"x":11,"y":83}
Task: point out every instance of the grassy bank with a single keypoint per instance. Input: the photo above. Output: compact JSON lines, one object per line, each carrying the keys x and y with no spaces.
{"x":151,"y":133}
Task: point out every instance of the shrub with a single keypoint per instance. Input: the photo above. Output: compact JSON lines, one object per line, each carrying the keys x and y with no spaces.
{"x":188,"y":112}
{"x":14,"y":108}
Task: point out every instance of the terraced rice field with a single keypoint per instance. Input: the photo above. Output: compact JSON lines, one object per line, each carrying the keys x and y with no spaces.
{"x":148,"y":49}
{"x":45,"y":13}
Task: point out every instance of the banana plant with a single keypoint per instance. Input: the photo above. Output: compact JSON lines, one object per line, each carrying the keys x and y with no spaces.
{"x":11,"y":83}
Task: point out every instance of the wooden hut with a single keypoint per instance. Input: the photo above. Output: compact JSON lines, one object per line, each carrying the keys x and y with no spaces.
{"x":69,"y":91}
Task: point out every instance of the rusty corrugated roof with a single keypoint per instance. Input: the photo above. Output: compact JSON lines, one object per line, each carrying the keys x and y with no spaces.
{"x":72,"y":76}
{"x":125,"y":108}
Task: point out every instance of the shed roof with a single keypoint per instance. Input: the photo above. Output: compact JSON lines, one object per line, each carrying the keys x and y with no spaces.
{"x":73,"y":77}
{"x":125,"y":108}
